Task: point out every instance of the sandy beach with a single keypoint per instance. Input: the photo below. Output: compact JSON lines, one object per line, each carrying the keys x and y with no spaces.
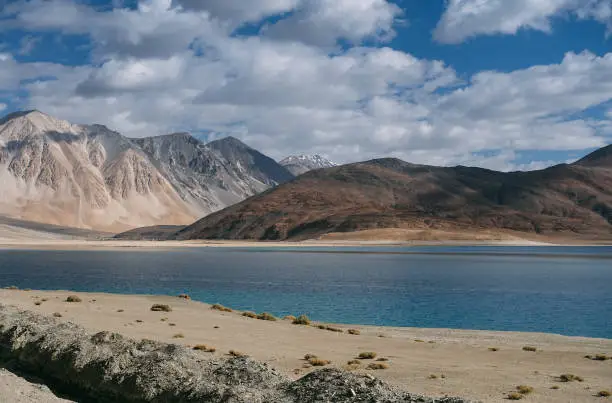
{"x":434,"y":362}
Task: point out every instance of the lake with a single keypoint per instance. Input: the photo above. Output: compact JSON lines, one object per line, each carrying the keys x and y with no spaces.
{"x":565,"y":290}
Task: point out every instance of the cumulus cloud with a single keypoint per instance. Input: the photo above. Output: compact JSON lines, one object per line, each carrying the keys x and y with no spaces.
{"x":287,"y":92}
{"x":239,"y":11}
{"x":324,"y":22}
{"x":467,"y":18}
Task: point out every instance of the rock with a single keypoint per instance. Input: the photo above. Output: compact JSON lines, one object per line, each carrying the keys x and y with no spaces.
{"x":107,"y":367}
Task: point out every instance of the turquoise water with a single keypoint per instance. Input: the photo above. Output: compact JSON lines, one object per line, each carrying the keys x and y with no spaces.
{"x":565,"y":290}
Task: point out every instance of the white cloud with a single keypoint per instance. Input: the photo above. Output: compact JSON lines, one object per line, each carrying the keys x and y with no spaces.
{"x":284,"y":94}
{"x":467,"y":18}
{"x":3,"y":107}
{"x":239,"y":11}
{"x":324,"y":22}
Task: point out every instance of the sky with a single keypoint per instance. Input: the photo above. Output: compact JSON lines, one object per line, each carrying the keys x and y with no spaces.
{"x":505,"y":85}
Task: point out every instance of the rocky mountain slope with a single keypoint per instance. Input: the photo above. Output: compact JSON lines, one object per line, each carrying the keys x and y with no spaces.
{"x":300,"y":164}
{"x":573,"y":200}
{"x":88,"y":176}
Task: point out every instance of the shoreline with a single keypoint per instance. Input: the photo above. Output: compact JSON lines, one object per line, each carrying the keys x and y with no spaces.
{"x":463,"y":357}
{"x":160,"y":245}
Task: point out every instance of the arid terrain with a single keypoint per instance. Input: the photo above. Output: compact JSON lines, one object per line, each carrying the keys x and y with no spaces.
{"x":481,"y":365}
{"x":573,"y":201}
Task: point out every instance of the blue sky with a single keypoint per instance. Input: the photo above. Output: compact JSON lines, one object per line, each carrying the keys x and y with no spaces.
{"x":503,"y":85}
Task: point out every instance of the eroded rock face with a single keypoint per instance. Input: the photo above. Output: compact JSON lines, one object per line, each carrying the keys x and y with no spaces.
{"x":106,"y":367}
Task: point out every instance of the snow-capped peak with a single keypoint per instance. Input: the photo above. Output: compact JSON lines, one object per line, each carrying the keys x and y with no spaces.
{"x":299,"y":164}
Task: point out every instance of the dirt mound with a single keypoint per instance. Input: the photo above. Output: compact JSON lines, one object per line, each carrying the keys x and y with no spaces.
{"x":107,"y":367}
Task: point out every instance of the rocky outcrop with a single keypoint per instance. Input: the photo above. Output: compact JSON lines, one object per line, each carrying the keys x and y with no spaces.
{"x":300,"y":164}
{"x":106,"y":367}
{"x":88,"y":176}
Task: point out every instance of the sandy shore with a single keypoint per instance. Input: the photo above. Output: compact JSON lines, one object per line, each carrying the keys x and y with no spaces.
{"x":78,"y":244}
{"x":460,"y":360}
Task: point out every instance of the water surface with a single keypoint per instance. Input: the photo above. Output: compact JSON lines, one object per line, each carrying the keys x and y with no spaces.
{"x":565,"y":290}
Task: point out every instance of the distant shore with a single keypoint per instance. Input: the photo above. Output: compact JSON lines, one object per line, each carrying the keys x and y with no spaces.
{"x":483,"y":365}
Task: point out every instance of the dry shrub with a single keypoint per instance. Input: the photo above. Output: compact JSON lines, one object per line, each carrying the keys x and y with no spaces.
{"x":184,"y":296}
{"x":530,"y":348}
{"x":354,"y":362}
{"x":377,"y":365}
{"x":514,"y":396}
{"x":524,"y":389}
{"x":367,"y":355}
{"x":249,"y":314}
{"x":493,"y":349}
{"x":178,"y":336}
{"x":318,"y":362}
{"x":289,"y":317}
{"x":161,"y":308}
{"x":57,"y":314}
{"x":604,"y":393}
{"x":204,"y":348}
{"x":570,"y":378}
{"x":219,"y":307}
{"x":73,"y":298}
{"x":302,"y":320}
{"x":266,"y":316}
{"x":309,"y":356}
{"x":237,"y":354}
{"x":354,"y":332}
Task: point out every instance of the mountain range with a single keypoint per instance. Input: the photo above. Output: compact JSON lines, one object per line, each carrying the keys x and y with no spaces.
{"x":88,"y":176}
{"x":573,"y":200}
{"x":300,"y":164}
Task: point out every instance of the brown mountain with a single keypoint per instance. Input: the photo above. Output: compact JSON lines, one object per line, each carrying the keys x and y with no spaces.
{"x":573,"y":199}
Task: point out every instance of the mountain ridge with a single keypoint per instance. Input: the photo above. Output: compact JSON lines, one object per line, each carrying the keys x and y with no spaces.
{"x":89,"y":176}
{"x":567,"y":199}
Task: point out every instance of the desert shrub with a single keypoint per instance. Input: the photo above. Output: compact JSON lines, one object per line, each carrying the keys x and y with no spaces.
{"x":514,"y":396}
{"x":555,"y":387}
{"x":37,"y":303}
{"x":354,"y":332}
{"x":219,"y":307}
{"x":354,"y":362}
{"x":266,"y":316}
{"x":309,"y":356}
{"x":493,"y":349}
{"x":289,"y":317}
{"x":178,"y":336}
{"x":11,"y":287}
{"x":419,"y":341}
{"x":204,"y":348}
{"x":249,"y":314}
{"x":604,"y":393}
{"x":601,"y":357}
{"x":367,"y":355}
{"x":139,"y":321}
{"x":73,"y":298}
{"x":530,"y":348}
{"x":57,"y":314}
{"x":382,"y":359}
{"x":433,"y":376}
{"x":377,"y":365}
{"x":334,"y":329}
{"x":352,"y":367}
{"x":524,"y":389}
{"x":318,"y":362}
{"x":237,"y":354}
{"x":161,"y":308}
{"x":570,"y":378}
{"x":184,"y":296}
{"x":120,"y":310}
{"x":302,"y":320}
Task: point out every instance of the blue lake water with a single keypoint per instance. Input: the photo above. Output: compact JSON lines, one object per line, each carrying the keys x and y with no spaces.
{"x":565,"y":290}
